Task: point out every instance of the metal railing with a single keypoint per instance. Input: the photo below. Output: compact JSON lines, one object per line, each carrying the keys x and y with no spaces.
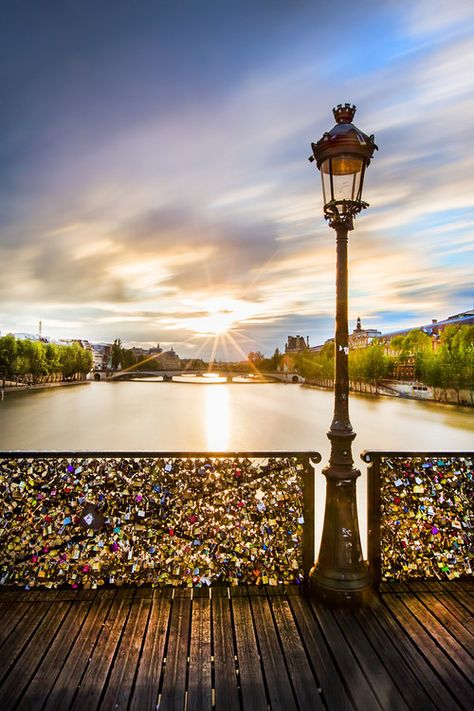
{"x":86,"y":519}
{"x":420,"y":514}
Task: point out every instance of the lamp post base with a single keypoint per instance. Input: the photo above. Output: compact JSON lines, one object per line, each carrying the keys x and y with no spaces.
{"x":341,"y":576}
{"x":349,"y":591}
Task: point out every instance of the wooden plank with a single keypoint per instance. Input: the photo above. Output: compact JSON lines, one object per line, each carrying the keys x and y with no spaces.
{"x":250,"y":672}
{"x":416,"y":586}
{"x":423,"y":671}
{"x":443,"y":636}
{"x":20,"y":636}
{"x":6,"y":608}
{"x":446,"y":670}
{"x":120,"y":682}
{"x":9,"y":595}
{"x":380,"y":680}
{"x":359,"y":688}
{"x":146,"y":591}
{"x":145,"y":692}
{"x":466,"y":584}
{"x":69,"y":678}
{"x":304,"y":684}
{"x":392,"y":654}
{"x":278,"y":683}
{"x":225,"y":677}
{"x":329,"y":681}
{"x":439,"y":607}
{"x":17,"y":681}
{"x":199,"y":679}
{"x":94,"y":680}
{"x":464,"y":599}
{"x":14,"y":618}
{"x":51,"y":664}
{"x":173,"y":692}
{"x":67,"y":595}
{"x":458,"y":610}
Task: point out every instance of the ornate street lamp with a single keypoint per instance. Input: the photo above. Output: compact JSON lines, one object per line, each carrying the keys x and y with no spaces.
{"x":340,"y":576}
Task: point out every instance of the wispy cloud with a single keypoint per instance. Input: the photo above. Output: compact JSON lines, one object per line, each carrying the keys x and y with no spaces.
{"x":170,"y":212}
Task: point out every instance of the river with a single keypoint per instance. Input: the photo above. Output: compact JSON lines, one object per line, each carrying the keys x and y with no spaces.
{"x":161,"y":416}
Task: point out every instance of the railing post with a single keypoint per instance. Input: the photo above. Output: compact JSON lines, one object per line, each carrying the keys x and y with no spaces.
{"x":308,"y":513}
{"x":373,"y":516}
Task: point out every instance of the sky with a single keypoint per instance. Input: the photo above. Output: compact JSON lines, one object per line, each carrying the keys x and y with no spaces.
{"x":154,"y":176}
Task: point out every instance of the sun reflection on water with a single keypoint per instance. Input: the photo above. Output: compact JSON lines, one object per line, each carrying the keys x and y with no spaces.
{"x":217,"y":418}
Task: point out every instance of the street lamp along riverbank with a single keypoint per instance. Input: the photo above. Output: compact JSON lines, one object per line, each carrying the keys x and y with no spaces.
{"x":340,"y":575}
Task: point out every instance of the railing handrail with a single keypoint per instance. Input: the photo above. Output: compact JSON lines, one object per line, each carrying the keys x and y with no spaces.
{"x":367,"y":455}
{"x":131,"y":454}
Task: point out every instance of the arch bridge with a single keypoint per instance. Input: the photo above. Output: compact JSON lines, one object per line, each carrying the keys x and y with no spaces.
{"x":169,"y":375}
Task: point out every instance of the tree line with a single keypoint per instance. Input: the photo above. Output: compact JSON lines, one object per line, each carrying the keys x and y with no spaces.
{"x":447,"y":364}
{"x":36,"y":361}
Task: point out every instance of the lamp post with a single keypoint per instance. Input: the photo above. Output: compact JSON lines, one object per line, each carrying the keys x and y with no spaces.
{"x":340,"y":576}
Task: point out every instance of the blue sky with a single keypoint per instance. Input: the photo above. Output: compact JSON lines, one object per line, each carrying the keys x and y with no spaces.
{"x":154,"y":182}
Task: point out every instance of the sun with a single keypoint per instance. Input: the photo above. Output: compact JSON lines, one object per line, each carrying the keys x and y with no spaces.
{"x":218,"y":316}
{"x":217,"y":323}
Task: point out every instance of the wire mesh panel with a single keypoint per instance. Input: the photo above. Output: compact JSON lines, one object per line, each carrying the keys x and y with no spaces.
{"x":420,"y":514}
{"x":194,"y":519}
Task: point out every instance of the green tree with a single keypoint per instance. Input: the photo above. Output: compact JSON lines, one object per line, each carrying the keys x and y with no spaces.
{"x":275,"y":360}
{"x":434,"y":374}
{"x":128,"y":359}
{"x":8,"y":356}
{"x":116,"y":353}
{"x":35,"y":354}
{"x":412,"y":349}
{"x":375,"y":363}
{"x":315,"y":365}
{"x":52,"y":358}
{"x":67,"y":361}
{"x":255,"y":357}
{"x":456,"y":353}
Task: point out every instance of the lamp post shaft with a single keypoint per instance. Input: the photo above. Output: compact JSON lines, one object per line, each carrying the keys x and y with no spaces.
{"x":341,"y":421}
{"x":340,"y":575}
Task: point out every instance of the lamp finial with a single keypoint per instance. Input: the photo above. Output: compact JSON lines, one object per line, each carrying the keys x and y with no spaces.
{"x":344,"y":113}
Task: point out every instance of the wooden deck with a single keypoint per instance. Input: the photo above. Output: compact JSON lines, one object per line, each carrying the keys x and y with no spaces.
{"x":143,"y":649}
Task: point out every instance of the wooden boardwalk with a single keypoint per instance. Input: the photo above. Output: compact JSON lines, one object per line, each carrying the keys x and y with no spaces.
{"x":252,"y":650}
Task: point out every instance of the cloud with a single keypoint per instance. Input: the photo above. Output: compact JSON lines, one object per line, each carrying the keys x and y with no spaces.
{"x":127,"y":219}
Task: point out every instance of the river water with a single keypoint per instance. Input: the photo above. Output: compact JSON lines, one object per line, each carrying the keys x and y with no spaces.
{"x":189,"y":416}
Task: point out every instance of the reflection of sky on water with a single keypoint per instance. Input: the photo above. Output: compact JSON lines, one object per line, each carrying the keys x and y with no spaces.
{"x":217,"y":422}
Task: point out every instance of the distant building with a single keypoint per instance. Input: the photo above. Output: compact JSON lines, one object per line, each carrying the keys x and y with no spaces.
{"x":156,"y":350}
{"x":102,"y":354}
{"x":295,"y":344}
{"x":168,"y":359}
{"x":139,"y":353}
{"x":317,"y":349}
{"x":362,"y":337}
{"x":435,"y":328}
{"x":31,"y":337}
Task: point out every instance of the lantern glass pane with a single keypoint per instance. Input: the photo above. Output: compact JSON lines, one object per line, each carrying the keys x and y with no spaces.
{"x":326,"y":178}
{"x":346,"y":173}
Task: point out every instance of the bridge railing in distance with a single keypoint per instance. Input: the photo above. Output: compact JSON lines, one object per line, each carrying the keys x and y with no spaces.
{"x":420,"y":514}
{"x":87,"y":519}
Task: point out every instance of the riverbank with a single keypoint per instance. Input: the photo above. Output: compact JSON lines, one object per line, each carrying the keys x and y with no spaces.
{"x":405,"y":392}
{"x":24,"y":387}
